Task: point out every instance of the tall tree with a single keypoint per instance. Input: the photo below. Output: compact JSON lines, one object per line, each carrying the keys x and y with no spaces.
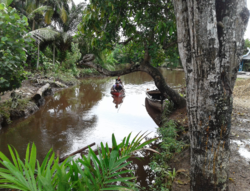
{"x":210,"y":40}
{"x":149,"y":24}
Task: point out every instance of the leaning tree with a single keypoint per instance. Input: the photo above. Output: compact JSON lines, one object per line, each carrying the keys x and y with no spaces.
{"x":147,"y":24}
{"x":210,"y":41}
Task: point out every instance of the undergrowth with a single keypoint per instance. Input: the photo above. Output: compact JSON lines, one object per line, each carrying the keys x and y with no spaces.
{"x":168,"y":147}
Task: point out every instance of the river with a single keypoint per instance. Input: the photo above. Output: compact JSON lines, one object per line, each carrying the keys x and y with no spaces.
{"x":86,"y":113}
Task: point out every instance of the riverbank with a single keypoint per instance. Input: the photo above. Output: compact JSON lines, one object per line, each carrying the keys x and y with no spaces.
{"x":26,"y":100}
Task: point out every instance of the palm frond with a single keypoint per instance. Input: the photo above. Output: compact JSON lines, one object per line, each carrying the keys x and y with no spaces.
{"x":63,"y":14}
{"x":43,"y":34}
{"x":65,"y":36}
{"x":48,"y":16}
{"x":40,"y":10}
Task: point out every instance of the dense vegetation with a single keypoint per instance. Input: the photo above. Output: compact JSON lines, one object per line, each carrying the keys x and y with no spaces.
{"x":50,"y":30}
{"x":12,"y":48}
{"x":143,"y":33}
{"x":94,"y":172}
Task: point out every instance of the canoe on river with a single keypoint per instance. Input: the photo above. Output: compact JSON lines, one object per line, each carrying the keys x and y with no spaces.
{"x":155,"y":99}
{"x":117,"y":94}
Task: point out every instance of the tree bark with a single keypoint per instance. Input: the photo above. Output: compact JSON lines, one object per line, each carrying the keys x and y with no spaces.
{"x":144,"y":66}
{"x":54,"y":47}
{"x":210,"y":39}
{"x":38,"y":54}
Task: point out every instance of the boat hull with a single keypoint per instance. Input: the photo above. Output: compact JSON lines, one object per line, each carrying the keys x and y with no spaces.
{"x":156,"y":100}
{"x":117,"y":94}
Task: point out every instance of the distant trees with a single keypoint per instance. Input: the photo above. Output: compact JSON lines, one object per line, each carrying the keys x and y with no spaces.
{"x":53,"y":24}
{"x":246,"y":45}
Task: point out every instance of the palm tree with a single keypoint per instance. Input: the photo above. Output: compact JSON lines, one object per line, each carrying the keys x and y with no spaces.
{"x":61,"y":18}
{"x":66,"y":27}
{"x":33,"y":10}
{"x":44,"y":35}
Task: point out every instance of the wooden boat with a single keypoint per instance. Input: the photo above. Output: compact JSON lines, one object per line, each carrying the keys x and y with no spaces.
{"x":155,"y":99}
{"x":155,"y":114}
{"x":117,"y":94}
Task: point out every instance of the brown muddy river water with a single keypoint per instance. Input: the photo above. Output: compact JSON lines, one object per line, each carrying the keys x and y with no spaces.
{"x":86,"y":113}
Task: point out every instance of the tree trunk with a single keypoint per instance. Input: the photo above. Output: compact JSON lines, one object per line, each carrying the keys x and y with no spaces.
{"x":210,"y":39}
{"x":33,"y":25}
{"x":54,"y":53}
{"x":145,"y":66}
{"x":38,"y":54}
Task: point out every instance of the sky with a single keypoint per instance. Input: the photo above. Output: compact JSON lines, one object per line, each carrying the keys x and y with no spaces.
{"x":247,"y":33}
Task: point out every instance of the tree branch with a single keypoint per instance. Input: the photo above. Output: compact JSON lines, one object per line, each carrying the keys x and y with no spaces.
{"x":171,"y":44}
{"x":168,"y":92}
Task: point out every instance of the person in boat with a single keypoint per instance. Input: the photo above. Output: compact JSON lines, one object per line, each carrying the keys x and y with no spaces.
{"x":118,"y":80}
{"x":117,"y":87}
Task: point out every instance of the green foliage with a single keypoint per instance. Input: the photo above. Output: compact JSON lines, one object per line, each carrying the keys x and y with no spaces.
{"x":90,"y":172}
{"x":106,"y":59}
{"x":71,"y":59}
{"x":12,"y":48}
{"x":87,"y":71}
{"x":6,"y":2}
{"x":168,"y":147}
{"x":150,"y":25}
{"x":128,"y":54}
{"x":246,"y":45}
{"x":169,"y":106}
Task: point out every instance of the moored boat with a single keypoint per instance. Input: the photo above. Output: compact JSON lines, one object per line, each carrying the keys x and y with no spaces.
{"x":155,"y":99}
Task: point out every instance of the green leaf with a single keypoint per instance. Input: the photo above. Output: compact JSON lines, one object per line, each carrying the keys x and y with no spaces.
{"x":2,"y":6}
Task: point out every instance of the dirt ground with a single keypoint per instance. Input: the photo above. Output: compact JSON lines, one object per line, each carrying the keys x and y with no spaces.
{"x":27,"y":89}
{"x":239,"y":165}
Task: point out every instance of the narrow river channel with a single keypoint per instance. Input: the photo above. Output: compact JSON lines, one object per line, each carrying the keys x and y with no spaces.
{"x":86,"y":113}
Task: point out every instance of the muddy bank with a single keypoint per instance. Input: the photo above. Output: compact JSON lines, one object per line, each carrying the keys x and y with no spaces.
{"x":27,"y":99}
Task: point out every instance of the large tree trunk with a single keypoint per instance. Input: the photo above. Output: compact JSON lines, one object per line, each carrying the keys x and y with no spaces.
{"x":210,"y":39}
{"x":144,"y":66}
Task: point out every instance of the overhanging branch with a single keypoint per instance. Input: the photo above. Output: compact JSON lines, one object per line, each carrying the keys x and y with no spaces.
{"x":88,"y":60}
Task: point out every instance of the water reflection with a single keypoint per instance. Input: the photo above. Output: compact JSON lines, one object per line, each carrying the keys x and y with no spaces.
{"x":117,"y":101}
{"x":78,"y":116}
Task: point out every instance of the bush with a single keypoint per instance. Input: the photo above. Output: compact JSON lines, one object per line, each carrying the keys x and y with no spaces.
{"x":12,"y":48}
{"x":71,"y":59}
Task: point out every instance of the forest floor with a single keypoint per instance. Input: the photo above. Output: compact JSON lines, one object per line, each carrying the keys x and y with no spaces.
{"x":239,"y":164}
